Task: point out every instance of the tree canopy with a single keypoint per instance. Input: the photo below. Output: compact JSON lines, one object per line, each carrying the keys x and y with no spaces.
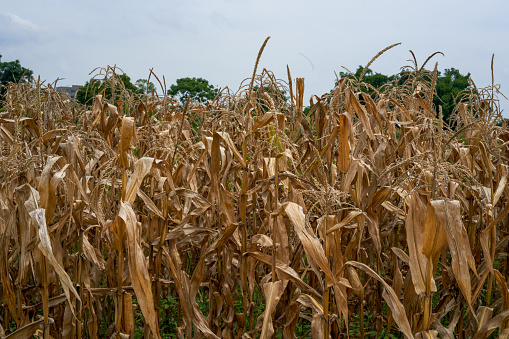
{"x":198,"y":89}
{"x":374,"y":79}
{"x":448,"y":85}
{"x":144,"y":86}
{"x":12,"y":71}
{"x":96,"y":86}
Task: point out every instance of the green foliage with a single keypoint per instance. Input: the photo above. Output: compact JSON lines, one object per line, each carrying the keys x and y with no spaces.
{"x":368,"y":331}
{"x":12,"y":71}
{"x":144,"y":86}
{"x":306,"y":110}
{"x":448,"y":85}
{"x":12,"y":326}
{"x":448,"y":88}
{"x":95,"y":86}
{"x":376,"y":80}
{"x":198,"y":89}
{"x":168,"y":321}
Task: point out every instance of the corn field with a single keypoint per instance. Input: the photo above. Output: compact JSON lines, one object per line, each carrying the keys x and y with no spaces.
{"x":245,"y":217}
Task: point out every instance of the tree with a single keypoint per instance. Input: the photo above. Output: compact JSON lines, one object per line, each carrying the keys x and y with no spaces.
{"x":143,"y":85}
{"x":12,"y":71}
{"x":197,"y":88}
{"x":95,"y":86}
{"x":448,"y":85}
{"x":376,"y":80}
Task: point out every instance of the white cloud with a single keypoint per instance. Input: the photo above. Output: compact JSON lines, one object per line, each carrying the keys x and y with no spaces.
{"x":15,"y":30}
{"x":21,"y":23}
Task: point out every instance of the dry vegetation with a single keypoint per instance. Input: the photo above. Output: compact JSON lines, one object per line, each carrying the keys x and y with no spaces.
{"x":246,"y":218}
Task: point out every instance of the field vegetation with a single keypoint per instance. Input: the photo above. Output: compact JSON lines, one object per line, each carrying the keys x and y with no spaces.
{"x":243,"y":217}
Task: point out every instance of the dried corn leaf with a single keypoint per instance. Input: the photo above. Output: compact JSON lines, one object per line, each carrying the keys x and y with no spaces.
{"x":398,"y":311}
{"x":415,"y":229}
{"x":272,"y":292}
{"x":449,"y":215}
{"x":261,"y":122}
{"x":432,"y":334}
{"x":492,"y":325}
{"x":39,"y":219}
{"x":27,"y":331}
{"x":311,"y":244}
{"x":138,"y":267}
{"x":352,"y":101}
{"x":141,"y":168}
{"x":286,"y":272}
{"x":126,"y":134}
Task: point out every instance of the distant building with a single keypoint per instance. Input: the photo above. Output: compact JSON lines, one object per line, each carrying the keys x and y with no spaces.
{"x":69,"y":90}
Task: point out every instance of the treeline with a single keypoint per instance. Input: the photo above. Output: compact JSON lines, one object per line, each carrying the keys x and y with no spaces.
{"x":449,"y":85}
{"x":198,"y":89}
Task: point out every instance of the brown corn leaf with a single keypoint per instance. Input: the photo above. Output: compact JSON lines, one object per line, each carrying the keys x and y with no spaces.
{"x":141,"y":168}
{"x":350,"y":216}
{"x":261,"y":240}
{"x":449,"y":215}
{"x":311,"y":244}
{"x":39,"y":219}
{"x":89,"y":252}
{"x":434,"y":237}
{"x":27,"y":331}
{"x":231,"y":145}
{"x":502,"y":184}
{"x":272,"y":292}
{"x":484,"y":315}
{"x":7,"y":284}
{"x":126,"y":134}
{"x":431,"y":334}
{"x":344,"y":144}
{"x":150,"y":204}
{"x":504,"y":334}
{"x":226,"y":234}
{"x":261,"y":122}
{"x":6,"y":136}
{"x":127,"y":314}
{"x":401,"y":254}
{"x":415,"y":228}
{"x":215,"y":159}
{"x":492,"y":325}
{"x":189,"y":306}
{"x":398,"y":311}
{"x":47,"y":187}
{"x":503,"y":288}
{"x":317,"y":324}
{"x":286,"y":272}
{"x":138,"y":267}
{"x":352,"y":101}
{"x":112,"y":118}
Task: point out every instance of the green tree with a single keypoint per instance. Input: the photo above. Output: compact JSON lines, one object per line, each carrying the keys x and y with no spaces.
{"x":448,"y":87}
{"x":197,"y":88}
{"x":12,"y":71}
{"x":95,"y":86}
{"x":143,"y":85}
{"x":376,"y":80}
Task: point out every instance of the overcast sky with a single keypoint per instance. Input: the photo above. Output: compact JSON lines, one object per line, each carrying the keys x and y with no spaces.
{"x":219,"y":39}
